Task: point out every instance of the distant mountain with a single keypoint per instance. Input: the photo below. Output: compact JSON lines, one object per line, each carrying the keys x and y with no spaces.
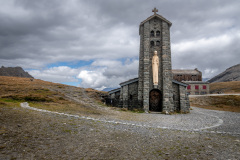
{"x":108,"y":89}
{"x":230,"y":74}
{"x":14,"y":72}
{"x":205,"y":79}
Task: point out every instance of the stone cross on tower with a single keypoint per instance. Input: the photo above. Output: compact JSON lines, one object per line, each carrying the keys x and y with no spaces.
{"x":155,"y":10}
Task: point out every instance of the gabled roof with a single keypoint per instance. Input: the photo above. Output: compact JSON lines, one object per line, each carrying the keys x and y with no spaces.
{"x":158,"y":16}
{"x":180,"y":83}
{"x":114,"y":91}
{"x":186,"y":71}
{"x":136,"y":80}
{"x":129,"y":82}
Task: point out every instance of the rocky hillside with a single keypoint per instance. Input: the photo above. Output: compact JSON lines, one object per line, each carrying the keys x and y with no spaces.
{"x":14,"y":72}
{"x":230,"y":74}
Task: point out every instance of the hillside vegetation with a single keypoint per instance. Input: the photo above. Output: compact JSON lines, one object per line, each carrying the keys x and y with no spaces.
{"x":225,"y":87}
{"x":223,"y":103}
{"x":48,"y":95}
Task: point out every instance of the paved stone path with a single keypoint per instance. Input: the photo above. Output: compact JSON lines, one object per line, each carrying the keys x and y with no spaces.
{"x":199,"y":120}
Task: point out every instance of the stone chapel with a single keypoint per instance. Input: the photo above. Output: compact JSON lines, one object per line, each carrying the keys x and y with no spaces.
{"x":154,"y":90}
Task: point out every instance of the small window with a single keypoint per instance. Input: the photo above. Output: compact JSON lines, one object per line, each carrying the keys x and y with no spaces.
{"x":158,"y":33}
{"x":204,"y":87}
{"x":152,"y":33}
{"x":196,"y":93}
{"x":196,"y":87}
{"x":131,"y":97}
{"x":152,"y":43}
{"x":158,"y":43}
{"x":189,"y":87}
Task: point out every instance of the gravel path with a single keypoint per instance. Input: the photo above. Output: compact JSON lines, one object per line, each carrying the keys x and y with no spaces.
{"x":201,"y":120}
{"x":29,"y":133}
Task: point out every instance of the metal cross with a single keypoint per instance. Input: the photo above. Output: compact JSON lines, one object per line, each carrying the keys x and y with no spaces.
{"x":155,"y":10}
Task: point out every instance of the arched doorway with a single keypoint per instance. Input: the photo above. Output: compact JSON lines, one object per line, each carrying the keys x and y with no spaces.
{"x":155,"y":100}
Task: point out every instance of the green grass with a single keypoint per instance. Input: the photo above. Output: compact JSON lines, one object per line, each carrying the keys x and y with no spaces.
{"x":29,"y":97}
{"x":5,"y":102}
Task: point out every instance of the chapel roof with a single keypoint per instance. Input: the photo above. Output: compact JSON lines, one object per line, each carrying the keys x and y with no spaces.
{"x":158,"y":16}
{"x":129,"y":82}
{"x":180,"y":83}
{"x":114,"y":90}
{"x":136,"y":80}
{"x":186,"y":71}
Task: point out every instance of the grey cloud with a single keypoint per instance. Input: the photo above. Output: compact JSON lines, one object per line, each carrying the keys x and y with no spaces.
{"x":34,"y":34}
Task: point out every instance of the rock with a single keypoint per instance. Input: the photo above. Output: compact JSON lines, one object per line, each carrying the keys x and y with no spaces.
{"x":209,"y":146}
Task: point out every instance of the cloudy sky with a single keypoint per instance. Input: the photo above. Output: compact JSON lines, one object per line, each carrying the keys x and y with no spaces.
{"x":95,"y":43}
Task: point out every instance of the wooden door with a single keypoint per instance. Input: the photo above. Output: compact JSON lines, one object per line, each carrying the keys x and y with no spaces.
{"x":155,"y":101}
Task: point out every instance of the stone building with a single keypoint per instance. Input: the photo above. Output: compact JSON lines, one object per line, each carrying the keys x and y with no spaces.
{"x":197,"y":87}
{"x":187,"y":75}
{"x":164,"y":95}
{"x":194,"y":80}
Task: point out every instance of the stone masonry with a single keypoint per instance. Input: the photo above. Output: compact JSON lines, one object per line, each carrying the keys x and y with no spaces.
{"x":155,"y":35}
{"x":168,"y":95}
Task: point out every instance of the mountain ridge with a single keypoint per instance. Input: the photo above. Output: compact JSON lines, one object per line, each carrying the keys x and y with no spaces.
{"x":230,"y":74}
{"x":14,"y":72}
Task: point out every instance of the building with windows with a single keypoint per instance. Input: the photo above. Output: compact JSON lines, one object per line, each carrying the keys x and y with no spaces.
{"x":197,"y":87}
{"x":192,"y":77}
{"x":187,"y":75}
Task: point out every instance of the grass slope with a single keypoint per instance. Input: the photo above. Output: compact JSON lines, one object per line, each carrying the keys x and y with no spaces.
{"x":225,"y":87}
{"x":223,"y":103}
{"x":45,"y":95}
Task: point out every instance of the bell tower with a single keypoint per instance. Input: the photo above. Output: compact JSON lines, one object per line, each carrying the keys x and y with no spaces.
{"x":155,"y":36}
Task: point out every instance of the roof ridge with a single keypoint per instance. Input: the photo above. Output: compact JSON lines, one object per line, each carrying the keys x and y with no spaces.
{"x":156,"y":15}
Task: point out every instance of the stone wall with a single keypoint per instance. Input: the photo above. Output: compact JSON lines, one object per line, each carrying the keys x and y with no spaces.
{"x":133,"y":96}
{"x":125,"y":96}
{"x":176,"y":97}
{"x":184,"y":101}
{"x":167,"y":69}
{"x":132,"y":91}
